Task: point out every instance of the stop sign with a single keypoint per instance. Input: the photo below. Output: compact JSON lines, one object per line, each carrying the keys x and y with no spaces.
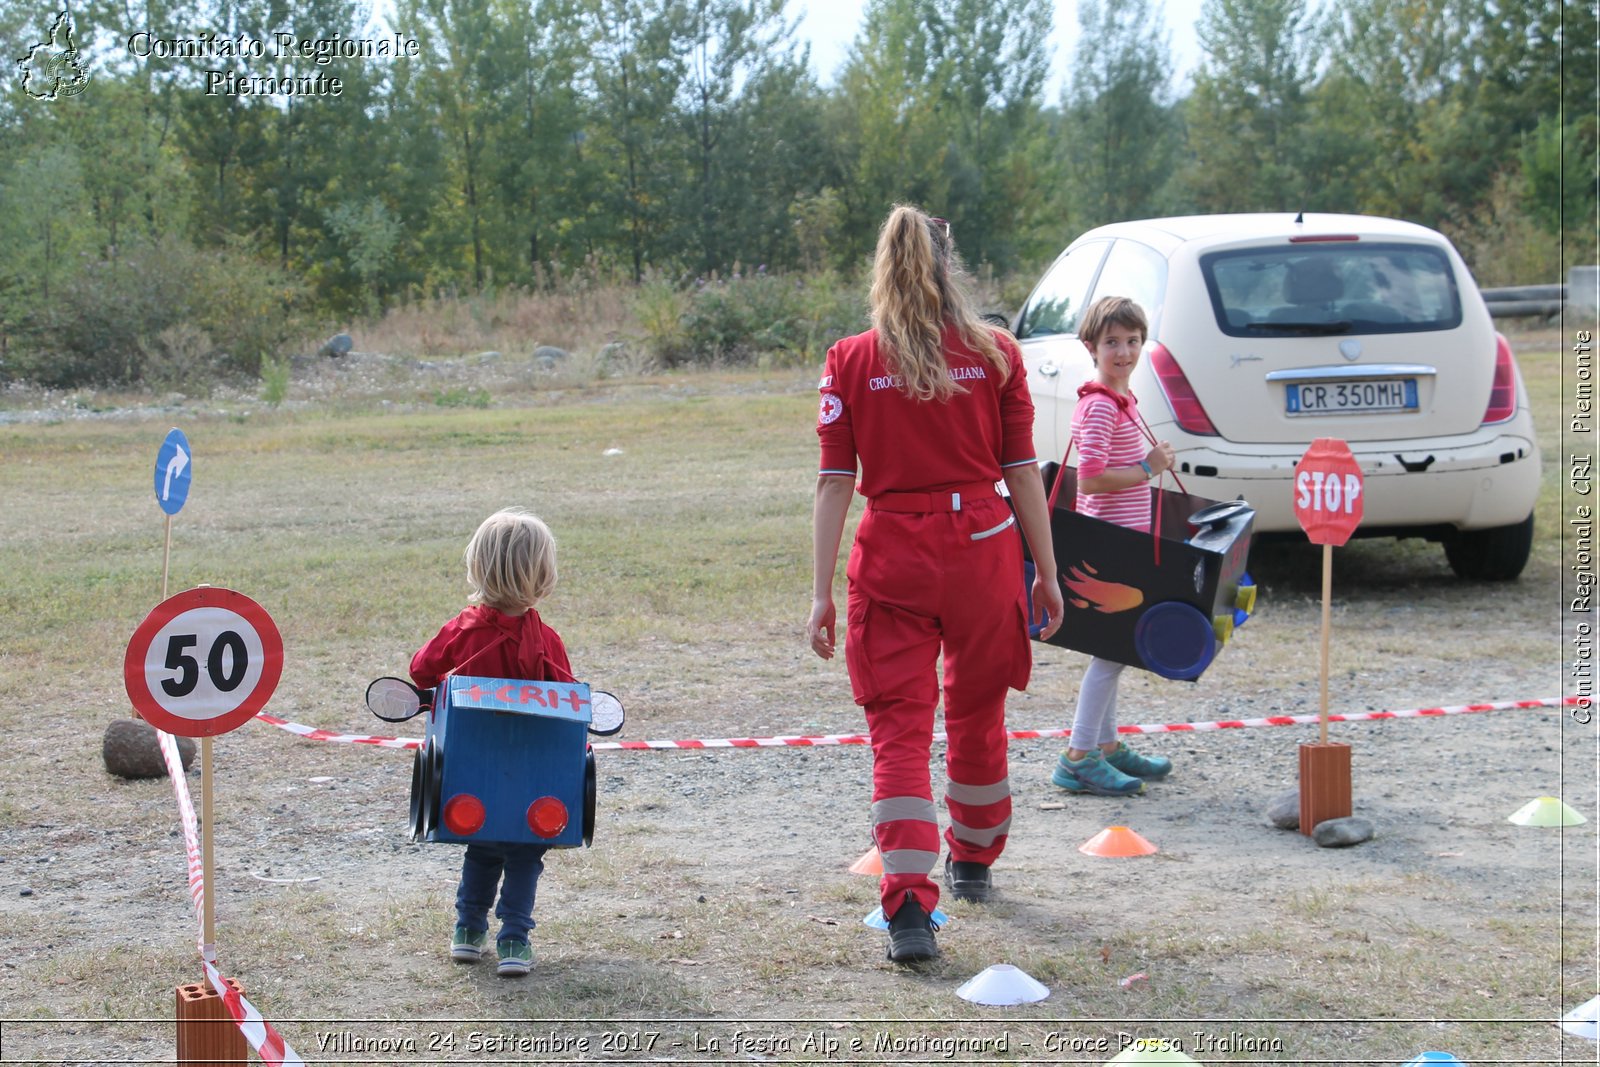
{"x":1327,"y":492}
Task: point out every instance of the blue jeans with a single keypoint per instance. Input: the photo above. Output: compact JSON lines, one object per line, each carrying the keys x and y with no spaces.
{"x":481,"y":871}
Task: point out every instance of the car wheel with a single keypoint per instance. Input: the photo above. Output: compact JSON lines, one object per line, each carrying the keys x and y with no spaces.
{"x":1497,"y":554}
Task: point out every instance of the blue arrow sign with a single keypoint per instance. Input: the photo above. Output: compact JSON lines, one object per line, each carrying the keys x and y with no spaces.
{"x":174,"y":469}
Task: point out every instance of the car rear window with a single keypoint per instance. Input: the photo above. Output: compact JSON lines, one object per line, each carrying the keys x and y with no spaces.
{"x":1334,"y":287}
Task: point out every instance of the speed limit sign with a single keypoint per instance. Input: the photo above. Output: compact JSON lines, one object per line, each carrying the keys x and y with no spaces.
{"x":203,"y":662}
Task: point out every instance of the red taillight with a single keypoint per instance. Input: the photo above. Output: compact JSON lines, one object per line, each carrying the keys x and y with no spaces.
{"x":1503,"y":393}
{"x":463,"y":815}
{"x":1186,"y":407}
{"x":547,"y":817}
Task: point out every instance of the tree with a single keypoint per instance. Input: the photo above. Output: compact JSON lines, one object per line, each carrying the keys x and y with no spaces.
{"x":540,"y":168}
{"x":1246,"y":115}
{"x":1119,"y":139}
{"x":1399,"y":74}
{"x":890,"y":129}
{"x":771,"y":156}
{"x":636,"y":71}
{"x":462,"y":72}
{"x":994,"y":58}
{"x":937,"y":104}
{"x":730,"y":43}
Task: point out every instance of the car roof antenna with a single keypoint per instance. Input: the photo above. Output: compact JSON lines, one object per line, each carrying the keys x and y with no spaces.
{"x":1300,"y":219}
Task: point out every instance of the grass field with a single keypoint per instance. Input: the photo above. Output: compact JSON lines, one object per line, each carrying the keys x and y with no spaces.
{"x":681,"y":505}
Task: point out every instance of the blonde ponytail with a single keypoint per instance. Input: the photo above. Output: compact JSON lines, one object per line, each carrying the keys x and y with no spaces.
{"x":919,"y":287}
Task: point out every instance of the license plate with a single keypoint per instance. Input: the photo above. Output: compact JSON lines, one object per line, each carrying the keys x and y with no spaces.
{"x":1324,"y":398}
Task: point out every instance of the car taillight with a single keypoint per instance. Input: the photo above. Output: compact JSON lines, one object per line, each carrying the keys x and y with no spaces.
{"x":547,"y":817}
{"x":463,"y":814}
{"x":1503,"y":393}
{"x":1186,"y":407}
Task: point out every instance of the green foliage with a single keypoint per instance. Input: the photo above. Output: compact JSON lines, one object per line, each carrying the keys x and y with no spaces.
{"x":755,"y":318}
{"x":164,"y":313}
{"x":1248,"y":133}
{"x":370,"y":234}
{"x":1118,"y":118}
{"x":274,"y":380}
{"x":659,"y":307}
{"x":938,"y":106}
{"x":1560,"y":165}
{"x":651,"y":139}
{"x":818,"y":221}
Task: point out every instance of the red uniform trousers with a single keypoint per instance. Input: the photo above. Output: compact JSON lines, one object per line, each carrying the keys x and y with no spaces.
{"x":919,"y":581}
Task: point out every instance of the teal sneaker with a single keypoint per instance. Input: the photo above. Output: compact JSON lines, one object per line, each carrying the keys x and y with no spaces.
{"x":1094,"y":774}
{"x":1131,"y":763}
{"x":516,"y":958}
{"x":468,"y":945}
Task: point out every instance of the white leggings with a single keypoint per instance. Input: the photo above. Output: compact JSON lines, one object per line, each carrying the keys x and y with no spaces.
{"x":1095,"y":722}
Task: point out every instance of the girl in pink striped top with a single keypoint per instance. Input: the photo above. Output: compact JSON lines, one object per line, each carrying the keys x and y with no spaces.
{"x":1116,"y":461}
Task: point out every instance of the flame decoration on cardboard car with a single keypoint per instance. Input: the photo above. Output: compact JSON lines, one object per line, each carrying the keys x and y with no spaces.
{"x":1096,"y":593}
{"x":1168,"y":611}
{"x":520,"y":764}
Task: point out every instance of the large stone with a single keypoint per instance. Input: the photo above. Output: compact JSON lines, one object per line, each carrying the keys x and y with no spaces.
{"x":130,"y":750}
{"x":1284,"y":812}
{"x":1342,"y":833}
{"x":549,"y":357}
{"x":336,"y":346}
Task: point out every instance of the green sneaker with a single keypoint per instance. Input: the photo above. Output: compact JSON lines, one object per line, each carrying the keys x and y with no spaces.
{"x":1094,"y":774}
{"x":516,"y":958}
{"x":1130,"y":762}
{"x":468,"y":945}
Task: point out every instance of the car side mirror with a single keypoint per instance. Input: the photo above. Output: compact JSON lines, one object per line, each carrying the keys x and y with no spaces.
{"x":396,"y":700}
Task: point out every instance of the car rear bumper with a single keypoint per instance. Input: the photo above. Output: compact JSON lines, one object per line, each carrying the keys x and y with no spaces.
{"x":1493,"y":481}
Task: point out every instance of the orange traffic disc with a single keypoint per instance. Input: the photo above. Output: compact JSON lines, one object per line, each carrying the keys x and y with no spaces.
{"x":1117,"y":841}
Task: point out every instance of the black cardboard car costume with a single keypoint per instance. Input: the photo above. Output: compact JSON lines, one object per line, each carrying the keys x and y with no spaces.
{"x":1165,"y":600}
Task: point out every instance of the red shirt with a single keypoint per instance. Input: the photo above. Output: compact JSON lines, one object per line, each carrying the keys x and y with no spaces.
{"x":487,"y":643}
{"x":907,"y":445}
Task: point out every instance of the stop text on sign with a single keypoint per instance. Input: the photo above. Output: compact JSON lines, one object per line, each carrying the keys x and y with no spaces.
{"x":1327,"y":491}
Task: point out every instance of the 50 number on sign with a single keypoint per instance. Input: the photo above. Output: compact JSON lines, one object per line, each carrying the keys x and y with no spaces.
{"x":203,"y":662}
{"x":227,"y":664}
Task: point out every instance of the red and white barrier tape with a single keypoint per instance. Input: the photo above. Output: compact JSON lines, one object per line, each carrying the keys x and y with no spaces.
{"x":313,"y":734}
{"x":267,"y":1042}
{"x":191,"y":830}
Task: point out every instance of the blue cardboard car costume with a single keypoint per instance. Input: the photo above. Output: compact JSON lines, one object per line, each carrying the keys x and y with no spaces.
{"x":502,"y":761}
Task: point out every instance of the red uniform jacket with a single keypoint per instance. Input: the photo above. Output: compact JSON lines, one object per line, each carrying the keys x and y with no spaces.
{"x":907,"y":445}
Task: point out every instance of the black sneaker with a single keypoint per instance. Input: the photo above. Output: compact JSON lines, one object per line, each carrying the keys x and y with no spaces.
{"x":967,"y":881}
{"x":911,"y":934}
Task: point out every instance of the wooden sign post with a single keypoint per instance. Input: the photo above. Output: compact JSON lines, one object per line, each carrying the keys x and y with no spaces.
{"x":1328,"y":494}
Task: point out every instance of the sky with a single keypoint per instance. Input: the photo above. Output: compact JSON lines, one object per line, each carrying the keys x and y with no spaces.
{"x":830,"y":26}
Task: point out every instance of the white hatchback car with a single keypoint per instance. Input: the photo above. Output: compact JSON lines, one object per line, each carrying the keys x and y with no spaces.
{"x":1270,"y":330}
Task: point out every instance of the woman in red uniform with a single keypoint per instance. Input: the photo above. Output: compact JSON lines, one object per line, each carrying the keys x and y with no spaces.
{"x":934,"y":405}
